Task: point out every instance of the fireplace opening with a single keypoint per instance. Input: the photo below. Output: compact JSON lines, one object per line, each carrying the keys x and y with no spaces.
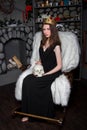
{"x":15,"y":47}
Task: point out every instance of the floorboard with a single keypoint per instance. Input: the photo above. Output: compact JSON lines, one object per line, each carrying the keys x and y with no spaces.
{"x":75,"y":119}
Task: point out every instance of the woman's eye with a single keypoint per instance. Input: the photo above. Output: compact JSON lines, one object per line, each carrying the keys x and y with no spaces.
{"x":48,"y":28}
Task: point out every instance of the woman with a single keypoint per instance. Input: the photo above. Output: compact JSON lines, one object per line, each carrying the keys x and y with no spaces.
{"x":36,"y":91}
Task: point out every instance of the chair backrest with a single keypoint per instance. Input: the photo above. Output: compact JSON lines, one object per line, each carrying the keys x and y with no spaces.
{"x":70,"y":50}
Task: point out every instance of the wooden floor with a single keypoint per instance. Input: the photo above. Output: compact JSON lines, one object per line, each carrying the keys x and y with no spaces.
{"x":76,"y":117}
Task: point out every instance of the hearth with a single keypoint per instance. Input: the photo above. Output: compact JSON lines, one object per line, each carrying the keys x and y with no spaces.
{"x":15,"y":40}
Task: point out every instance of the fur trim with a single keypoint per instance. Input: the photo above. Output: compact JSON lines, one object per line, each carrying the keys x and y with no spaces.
{"x":70,"y":51}
{"x":61,"y":89}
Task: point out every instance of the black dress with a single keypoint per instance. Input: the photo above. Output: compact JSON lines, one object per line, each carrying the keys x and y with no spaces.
{"x":36,"y":91}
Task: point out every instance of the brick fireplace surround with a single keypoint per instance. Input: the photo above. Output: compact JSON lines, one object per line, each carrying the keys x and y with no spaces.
{"x":13,"y":37}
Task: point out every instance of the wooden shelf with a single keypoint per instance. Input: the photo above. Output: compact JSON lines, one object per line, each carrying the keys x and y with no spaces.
{"x":59,"y":6}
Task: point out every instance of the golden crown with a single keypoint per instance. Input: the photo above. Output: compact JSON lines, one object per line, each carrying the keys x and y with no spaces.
{"x":49,"y":21}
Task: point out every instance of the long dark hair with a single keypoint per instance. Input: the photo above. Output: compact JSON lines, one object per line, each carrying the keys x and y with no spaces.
{"x":54,"y":35}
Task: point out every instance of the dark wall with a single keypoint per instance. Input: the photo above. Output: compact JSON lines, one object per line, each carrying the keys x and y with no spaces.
{"x":84,"y":43}
{"x":84,"y":20}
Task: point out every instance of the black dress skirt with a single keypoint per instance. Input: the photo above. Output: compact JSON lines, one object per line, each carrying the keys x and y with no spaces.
{"x":36,"y":91}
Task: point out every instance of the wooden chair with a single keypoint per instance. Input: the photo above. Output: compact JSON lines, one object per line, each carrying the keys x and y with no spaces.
{"x":70,"y":56}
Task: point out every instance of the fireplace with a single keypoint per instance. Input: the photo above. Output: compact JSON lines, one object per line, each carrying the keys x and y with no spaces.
{"x":15,"y":47}
{"x":15,"y":40}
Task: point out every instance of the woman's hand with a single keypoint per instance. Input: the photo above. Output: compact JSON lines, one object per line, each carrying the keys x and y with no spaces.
{"x":38,"y":62}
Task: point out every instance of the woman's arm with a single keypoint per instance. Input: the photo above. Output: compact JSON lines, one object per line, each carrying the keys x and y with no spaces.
{"x":58,"y":59}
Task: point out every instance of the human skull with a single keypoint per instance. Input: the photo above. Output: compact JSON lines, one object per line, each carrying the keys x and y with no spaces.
{"x":38,"y":70}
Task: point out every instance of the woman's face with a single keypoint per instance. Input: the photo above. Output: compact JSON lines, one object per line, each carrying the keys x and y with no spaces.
{"x":46,"y":30}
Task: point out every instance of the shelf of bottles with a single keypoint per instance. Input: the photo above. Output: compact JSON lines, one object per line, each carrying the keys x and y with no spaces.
{"x":67,"y":14}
